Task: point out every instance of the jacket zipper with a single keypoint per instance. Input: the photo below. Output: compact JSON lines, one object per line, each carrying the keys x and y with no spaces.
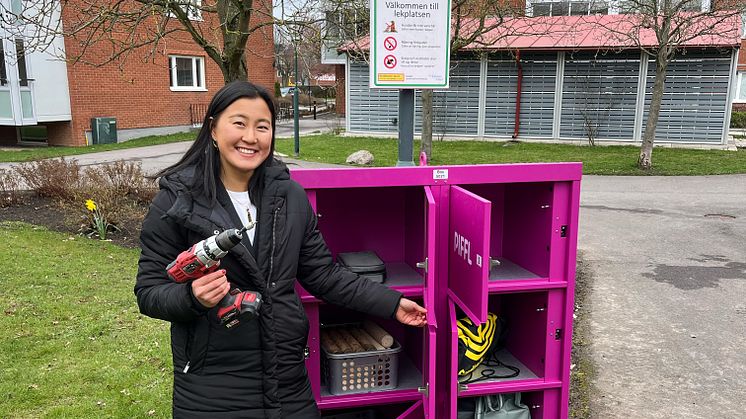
{"x":187,"y":353}
{"x":272,"y":253}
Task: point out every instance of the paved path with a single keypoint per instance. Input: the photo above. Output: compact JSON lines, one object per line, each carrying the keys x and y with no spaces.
{"x":668,"y":305}
{"x":154,"y":158}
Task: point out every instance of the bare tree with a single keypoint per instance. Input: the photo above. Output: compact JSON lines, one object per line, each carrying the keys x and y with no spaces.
{"x":110,"y":31}
{"x":471,"y":21}
{"x":661,"y":28}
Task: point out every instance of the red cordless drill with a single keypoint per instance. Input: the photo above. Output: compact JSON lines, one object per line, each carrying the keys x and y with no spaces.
{"x":203,"y":258}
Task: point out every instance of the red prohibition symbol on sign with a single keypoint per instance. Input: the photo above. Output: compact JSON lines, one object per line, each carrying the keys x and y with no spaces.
{"x":389,"y":61}
{"x":389,"y":43}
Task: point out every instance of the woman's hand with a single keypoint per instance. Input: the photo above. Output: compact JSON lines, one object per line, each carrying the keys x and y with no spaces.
{"x":211,"y":288}
{"x":411,"y":313}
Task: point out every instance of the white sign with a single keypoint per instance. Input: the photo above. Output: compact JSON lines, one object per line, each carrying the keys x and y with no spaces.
{"x":440,"y":174}
{"x":410,"y":43}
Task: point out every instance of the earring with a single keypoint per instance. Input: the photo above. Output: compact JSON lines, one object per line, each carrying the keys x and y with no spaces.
{"x":214,"y":143}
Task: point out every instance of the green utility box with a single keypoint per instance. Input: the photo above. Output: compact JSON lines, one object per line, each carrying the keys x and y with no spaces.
{"x":104,"y":130}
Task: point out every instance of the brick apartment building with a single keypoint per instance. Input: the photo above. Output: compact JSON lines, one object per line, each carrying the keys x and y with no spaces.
{"x":550,"y":88}
{"x":44,"y":98}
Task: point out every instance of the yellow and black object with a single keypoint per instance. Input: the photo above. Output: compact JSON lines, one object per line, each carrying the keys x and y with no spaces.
{"x":476,"y":343}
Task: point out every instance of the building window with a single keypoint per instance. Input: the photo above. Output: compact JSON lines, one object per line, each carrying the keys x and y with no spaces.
{"x":569,"y":8}
{"x":187,"y":73}
{"x":740,"y":88}
{"x":692,"y":5}
{"x":23,"y":77}
{"x":3,"y":72}
{"x":16,"y":7}
{"x":190,"y":7}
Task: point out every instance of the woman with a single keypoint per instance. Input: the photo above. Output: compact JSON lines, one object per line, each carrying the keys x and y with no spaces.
{"x":227,"y":179}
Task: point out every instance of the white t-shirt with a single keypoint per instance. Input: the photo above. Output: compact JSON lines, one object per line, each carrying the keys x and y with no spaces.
{"x":242,"y":204}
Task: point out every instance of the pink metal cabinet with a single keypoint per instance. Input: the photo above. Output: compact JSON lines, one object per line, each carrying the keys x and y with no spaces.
{"x":437,"y":229}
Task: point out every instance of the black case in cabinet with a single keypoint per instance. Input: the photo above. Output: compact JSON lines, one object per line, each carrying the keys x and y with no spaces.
{"x":389,"y":221}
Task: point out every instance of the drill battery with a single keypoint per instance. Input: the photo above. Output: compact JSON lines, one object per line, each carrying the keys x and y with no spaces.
{"x":239,"y":306}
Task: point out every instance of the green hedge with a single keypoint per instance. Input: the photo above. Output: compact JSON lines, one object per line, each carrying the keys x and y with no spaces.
{"x":738,"y":120}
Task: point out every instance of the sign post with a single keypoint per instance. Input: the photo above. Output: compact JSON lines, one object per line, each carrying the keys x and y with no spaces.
{"x":410,"y":49}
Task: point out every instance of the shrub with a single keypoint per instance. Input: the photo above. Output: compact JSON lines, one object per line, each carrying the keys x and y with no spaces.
{"x":120,"y":192}
{"x":53,"y":178}
{"x":10,"y":186}
{"x":738,"y":120}
{"x":126,"y":178}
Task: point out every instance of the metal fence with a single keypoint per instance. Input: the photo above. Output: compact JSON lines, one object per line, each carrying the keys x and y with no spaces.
{"x":564,"y":95}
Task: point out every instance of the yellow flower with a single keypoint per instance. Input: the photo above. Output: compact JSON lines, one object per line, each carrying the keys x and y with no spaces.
{"x":90,"y":205}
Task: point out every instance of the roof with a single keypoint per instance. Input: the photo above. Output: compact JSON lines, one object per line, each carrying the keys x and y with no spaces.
{"x":589,"y":32}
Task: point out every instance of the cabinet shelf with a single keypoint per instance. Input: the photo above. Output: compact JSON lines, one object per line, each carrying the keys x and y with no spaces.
{"x":525,"y":380}
{"x":399,"y":276}
{"x":508,"y":270}
{"x":481,"y":389}
{"x":410,"y":379}
{"x":508,"y":359}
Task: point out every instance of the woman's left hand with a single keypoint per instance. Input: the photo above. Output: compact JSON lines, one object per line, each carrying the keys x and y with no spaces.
{"x":411,"y":313}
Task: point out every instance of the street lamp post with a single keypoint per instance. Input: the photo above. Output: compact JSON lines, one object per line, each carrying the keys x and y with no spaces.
{"x":296,"y":122}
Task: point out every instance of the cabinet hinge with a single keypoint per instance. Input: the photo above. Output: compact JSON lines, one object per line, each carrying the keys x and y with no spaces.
{"x":557,"y":334}
{"x":423,"y":265}
{"x":424,"y":390}
{"x":463,"y":387}
{"x":306,"y":352}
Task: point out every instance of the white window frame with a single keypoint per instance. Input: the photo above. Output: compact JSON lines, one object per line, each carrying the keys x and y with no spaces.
{"x":199,"y":85}
{"x":739,"y":77}
{"x":193,"y":13}
{"x":530,"y":5}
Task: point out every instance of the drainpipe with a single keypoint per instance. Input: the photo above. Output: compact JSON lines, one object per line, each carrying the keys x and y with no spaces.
{"x":518,"y":94}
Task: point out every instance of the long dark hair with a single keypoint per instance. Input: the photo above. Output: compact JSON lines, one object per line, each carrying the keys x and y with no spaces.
{"x":206,"y":158}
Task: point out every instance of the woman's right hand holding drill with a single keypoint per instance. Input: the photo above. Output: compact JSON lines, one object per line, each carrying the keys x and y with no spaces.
{"x":211,"y":288}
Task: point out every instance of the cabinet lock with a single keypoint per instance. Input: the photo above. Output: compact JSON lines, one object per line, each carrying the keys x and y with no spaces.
{"x":424,"y":390}
{"x":422,"y":265}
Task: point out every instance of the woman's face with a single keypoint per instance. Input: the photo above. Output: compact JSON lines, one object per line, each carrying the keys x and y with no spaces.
{"x":243,"y":133}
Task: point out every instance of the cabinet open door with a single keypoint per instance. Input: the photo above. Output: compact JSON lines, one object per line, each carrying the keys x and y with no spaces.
{"x":429,"y":297}
{"x":430,"y":258}
{"x":469,"y":252}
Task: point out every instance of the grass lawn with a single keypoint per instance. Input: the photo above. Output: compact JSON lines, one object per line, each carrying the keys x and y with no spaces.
{"x":599,"y":160}
{"x":328,"y":148}
{"x":74,"y":344}
{"x":40,"y":152}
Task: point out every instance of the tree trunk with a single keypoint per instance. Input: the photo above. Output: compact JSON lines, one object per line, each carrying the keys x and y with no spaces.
{"x":426,"y":143}
{"x":235,"y":18}
{"x":234,"y":69}
{"x":645,"y":161}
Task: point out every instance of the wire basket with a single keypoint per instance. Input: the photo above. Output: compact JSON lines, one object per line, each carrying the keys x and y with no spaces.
{"x":362,"y":372}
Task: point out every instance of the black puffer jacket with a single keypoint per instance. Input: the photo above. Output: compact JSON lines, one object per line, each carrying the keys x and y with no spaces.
{"x":257,"y":369}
